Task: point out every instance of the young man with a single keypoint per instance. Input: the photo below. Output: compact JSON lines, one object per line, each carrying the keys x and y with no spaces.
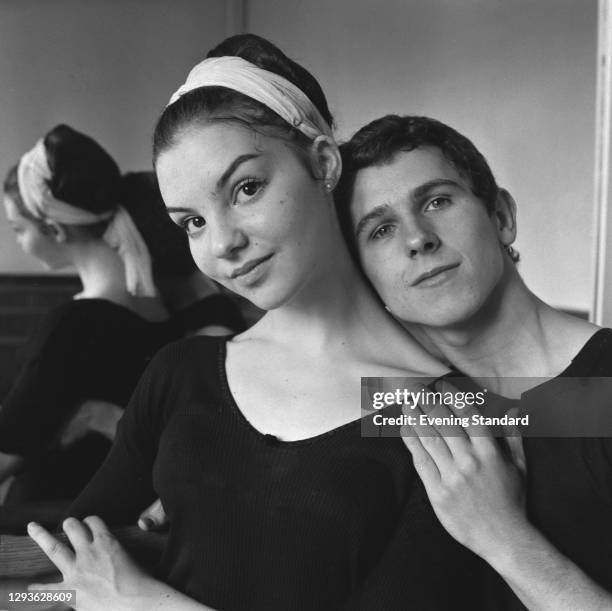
{"x":433,"y":233}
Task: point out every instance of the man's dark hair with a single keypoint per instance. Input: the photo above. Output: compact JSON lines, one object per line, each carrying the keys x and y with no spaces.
{"x":381,"y":140}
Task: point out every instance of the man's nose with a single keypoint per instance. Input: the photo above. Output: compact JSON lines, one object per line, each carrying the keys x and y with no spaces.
{"x":421,"y":240}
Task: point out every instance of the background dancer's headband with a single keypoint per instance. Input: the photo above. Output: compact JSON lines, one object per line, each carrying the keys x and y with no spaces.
{"x":268,"y":88}
{"x":33,"y":174}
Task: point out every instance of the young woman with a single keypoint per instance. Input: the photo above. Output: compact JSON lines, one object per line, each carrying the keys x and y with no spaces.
{"x":63,"y":202}
{"x":253,"y":444}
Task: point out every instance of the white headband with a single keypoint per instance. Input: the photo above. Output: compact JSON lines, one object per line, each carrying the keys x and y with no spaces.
{"x":123,"y":235}
{"x":272,"y":90}
{"x":33,"y":174}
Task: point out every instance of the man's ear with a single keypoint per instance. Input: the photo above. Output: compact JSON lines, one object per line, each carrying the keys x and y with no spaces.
{"x":505,"y":217}
{"x":56,"y":231}
{"x":326,"y":161}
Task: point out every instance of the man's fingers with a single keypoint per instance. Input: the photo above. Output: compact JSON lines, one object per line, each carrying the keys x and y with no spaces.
{"x":423,"y":463}
{"x":448,"y":425}
{"x":514,"y":442}
{"x":59,"y":553}
{"x":154,"y":517}
{"x":432,"y":442}
{"x":475,"y":431}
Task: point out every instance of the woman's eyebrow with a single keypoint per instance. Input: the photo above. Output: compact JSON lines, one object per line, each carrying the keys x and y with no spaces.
{"x":233,"y":167}
{"x":170,"y":209}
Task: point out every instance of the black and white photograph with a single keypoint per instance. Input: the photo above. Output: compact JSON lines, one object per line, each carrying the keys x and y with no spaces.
{"x":306,"y":305}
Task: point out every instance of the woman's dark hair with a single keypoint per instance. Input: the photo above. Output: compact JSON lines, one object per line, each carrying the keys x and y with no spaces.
{"x":221,"y":103}
{"x":168,"y":244}
{"x":83,"y":174}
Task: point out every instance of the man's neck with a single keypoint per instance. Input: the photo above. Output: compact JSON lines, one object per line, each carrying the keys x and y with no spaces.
{"x":514,"y":334}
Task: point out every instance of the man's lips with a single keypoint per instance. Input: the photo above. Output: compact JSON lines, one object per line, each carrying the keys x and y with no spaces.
{"x":248,"y":266}
{"x":433,"y":272}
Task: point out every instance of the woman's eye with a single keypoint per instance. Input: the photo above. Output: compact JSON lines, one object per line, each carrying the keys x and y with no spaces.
{"x":382,"y":232}
{"x":192,"y":224}
{"x":437,"y":203}
{"x":247,"y":189}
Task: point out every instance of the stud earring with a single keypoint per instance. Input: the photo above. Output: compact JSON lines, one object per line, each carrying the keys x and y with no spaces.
{"x":328,"y":185}
{"x":512,"y":253}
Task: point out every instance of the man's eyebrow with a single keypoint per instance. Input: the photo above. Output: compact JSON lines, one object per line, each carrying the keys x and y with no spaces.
{"x":233,"y":167}
{"x":422,"y":190}
{"x":374,"y":214}
{"x":170,"y":209}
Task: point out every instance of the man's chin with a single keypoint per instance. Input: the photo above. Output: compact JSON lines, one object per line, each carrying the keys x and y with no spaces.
{"x":451,"y":317}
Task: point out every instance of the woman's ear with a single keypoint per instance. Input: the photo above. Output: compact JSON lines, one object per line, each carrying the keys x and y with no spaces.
{"x":56,"y":231}
{"x":505,"y":217}
{"x":326,"y":161}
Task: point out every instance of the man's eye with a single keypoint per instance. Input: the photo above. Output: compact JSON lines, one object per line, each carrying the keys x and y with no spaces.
{"x":437,"y":203}
{"x":382,"y":232}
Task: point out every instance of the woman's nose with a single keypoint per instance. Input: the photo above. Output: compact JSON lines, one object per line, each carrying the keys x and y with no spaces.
{"x":226,"y":239}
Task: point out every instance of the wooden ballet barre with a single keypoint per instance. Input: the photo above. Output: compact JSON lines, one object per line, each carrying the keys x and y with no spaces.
{"x":20,"y":557}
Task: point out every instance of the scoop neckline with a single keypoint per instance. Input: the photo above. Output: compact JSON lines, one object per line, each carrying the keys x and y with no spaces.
{"x":268,"y":438}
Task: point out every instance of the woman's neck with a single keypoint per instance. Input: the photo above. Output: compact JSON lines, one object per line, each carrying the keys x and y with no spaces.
{"x":101,"y":271}
{"x":102,"y":274}
{"x":336,"y":312}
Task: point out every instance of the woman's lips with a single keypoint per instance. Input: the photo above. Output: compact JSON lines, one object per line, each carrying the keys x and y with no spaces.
{"x":249,"y":269}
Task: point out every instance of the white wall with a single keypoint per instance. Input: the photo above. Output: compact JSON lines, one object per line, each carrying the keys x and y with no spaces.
{"x":106,"y":67}
{"x":517,"y":76}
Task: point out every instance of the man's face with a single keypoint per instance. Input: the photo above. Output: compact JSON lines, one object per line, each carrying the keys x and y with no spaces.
{"x":426,"y":242}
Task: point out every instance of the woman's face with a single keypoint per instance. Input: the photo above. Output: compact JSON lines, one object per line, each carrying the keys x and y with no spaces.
{"x":251,"y":208}
{"x":33,"y":240}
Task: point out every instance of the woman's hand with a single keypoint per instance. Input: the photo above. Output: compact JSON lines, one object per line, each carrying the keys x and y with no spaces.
{"x":100,"y":571}
{"x":476,"y":492}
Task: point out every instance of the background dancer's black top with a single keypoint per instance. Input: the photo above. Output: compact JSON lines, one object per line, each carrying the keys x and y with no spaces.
{"x":217,"y":309}
{"x":85,"y":349}
{"x":336,"y":521}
